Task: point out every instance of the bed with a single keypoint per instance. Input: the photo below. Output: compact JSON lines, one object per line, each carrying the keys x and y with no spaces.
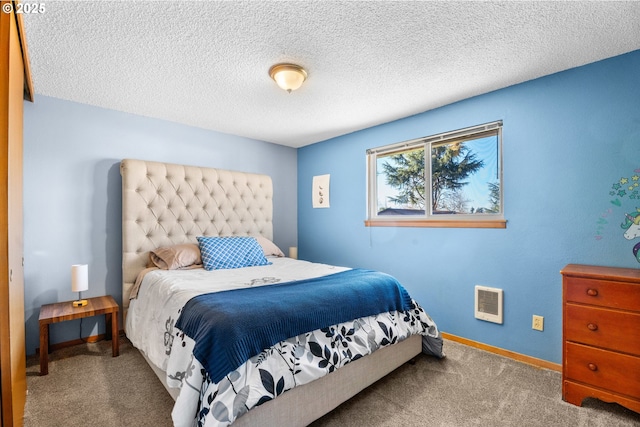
{"x":171,"y":213}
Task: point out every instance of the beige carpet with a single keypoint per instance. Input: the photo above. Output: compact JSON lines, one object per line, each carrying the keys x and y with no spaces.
{"x":87,"y":387}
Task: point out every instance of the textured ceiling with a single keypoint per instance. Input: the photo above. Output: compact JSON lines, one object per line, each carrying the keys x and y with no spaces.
{"x":206,"y":64}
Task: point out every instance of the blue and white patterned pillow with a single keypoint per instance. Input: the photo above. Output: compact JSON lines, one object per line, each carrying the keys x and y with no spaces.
{"x":220,"y":253}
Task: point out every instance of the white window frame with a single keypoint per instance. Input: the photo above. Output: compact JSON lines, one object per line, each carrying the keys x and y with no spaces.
{"x":484,"y":220}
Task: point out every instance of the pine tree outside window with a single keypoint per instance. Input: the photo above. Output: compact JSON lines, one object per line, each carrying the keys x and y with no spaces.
{"x":453,"y":179}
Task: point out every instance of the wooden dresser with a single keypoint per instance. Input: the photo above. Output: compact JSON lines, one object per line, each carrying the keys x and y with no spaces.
{"x":601,"y":334}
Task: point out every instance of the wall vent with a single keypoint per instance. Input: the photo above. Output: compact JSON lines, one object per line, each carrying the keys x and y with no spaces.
{"x":488,"y":304}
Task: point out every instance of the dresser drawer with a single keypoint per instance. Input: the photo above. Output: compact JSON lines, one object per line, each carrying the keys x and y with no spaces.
{"x":601,"y":368}
{"x":604,"y":293}
{"x":611,"y":329}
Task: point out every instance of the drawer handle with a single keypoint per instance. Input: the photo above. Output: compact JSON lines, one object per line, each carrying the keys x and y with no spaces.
{"x":592,"y":292}
{"x":593,"y":367}
{"x":592,"y":327}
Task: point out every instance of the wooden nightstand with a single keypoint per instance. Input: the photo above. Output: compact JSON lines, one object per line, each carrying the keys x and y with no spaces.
{"x":63,"y":311}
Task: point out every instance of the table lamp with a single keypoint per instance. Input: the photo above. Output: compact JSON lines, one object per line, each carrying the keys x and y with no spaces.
{"x":79,"y":282}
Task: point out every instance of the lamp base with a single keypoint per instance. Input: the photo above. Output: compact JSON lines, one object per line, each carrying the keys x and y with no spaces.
{"x":80,"y":303}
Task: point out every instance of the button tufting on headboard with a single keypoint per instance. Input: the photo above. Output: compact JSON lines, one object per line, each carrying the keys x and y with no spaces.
{"x":165,"y":204}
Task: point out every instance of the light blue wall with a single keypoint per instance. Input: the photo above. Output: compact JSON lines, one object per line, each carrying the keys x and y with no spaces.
{"x":568,"y":138}
{"x":72,"y":188}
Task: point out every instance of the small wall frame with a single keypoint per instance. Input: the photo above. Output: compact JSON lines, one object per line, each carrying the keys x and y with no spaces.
{"x":320,"y":191}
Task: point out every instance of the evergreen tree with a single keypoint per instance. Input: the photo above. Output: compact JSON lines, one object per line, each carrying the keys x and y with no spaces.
{"x":451,"y":164}
{"x":407,"y":175}
{"x":494,"y":197}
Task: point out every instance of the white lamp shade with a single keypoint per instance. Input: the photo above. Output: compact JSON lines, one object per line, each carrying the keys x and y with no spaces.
{"x":79,"y":277}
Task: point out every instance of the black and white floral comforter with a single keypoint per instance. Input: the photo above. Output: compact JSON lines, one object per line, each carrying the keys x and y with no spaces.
{"x":290,"y":363}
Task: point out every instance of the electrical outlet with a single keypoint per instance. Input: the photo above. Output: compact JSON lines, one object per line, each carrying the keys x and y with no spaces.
{"x":537,"y":323}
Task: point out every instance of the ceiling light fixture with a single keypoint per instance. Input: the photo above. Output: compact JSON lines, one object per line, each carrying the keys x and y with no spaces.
{"x":288,"y":76}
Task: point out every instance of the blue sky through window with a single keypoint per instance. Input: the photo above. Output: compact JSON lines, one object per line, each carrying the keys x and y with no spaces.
{"x":476,"y":192}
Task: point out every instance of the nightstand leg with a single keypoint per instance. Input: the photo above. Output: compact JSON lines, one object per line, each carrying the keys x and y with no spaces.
{"x":109,"y":328}
{"x":112,"y":325}
{"x":44,"y":349}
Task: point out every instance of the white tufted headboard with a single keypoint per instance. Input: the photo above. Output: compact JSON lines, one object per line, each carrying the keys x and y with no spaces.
{"x":165,"y":204}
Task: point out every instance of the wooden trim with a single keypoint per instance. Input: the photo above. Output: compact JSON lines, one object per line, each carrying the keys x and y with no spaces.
{"x":538,"y":363}
{"x":28,"y":83}
{"x":13,"y":380}
{"x":487,"y":223}
{"x":6,"y":394}
{"x":78,"y":341}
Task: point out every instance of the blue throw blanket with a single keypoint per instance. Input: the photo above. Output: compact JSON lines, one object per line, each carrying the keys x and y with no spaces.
{"x":230,"y":327}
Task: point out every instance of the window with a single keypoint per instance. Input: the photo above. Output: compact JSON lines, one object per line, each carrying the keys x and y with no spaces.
{"x":453,"y":179}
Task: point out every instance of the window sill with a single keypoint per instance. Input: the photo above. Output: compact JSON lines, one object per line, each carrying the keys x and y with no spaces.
{"x":487,"y":223}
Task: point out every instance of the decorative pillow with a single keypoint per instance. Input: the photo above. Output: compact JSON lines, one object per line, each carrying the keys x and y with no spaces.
{"x":176,"y":257}
{"x":220,"y":253}
{"x":268,"y":247}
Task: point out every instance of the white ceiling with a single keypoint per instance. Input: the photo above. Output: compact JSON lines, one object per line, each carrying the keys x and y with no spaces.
{"x":205,"y":63}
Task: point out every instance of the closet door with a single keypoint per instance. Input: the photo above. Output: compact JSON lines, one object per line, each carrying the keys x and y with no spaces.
{"x":13,"y":64}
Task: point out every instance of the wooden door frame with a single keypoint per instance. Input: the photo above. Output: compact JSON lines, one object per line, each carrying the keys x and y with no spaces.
{"x":13,"y":86}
